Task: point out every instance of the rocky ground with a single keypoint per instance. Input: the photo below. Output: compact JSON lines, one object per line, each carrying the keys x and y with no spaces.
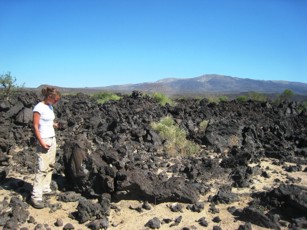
{"x":112,"y":171}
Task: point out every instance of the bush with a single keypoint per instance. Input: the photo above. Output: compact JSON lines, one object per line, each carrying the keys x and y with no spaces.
{"x":223,"y":98}
{"x":242,"y":98}
{"x":217,"y":99}
{"x":286,"y":95}
{"x":102,"y":98}
{"x":213,"y":99}
{"x":7,"y":84}
{"x":255,"y":96}
{"x":175,"y":137}
{"x":203,"y":125}
{"x":302,"y":106}
{"x":162,"y":99}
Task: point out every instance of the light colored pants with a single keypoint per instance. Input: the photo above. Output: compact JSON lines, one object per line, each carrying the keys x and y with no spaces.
{"x":45,"y":166}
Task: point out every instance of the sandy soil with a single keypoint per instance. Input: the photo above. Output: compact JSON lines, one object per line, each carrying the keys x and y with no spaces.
{"x":126,"y":218}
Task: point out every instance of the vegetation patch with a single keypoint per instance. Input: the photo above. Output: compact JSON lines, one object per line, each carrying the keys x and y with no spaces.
{"x":242,"y":98}
{"x":217,"y":99}
{"x":233,"y":140}
{"x":8,"y":85}
{"x":162,"y":99}
{"x":203,"y":125}
{"x":176,"y":142}
{"x":256,"y":96}
{"x":104,"y":97}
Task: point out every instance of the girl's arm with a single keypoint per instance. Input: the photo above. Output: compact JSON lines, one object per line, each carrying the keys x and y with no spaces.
{"x":36,"y":117}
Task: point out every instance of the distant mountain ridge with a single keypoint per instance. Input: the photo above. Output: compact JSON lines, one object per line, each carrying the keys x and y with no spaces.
{"x":205,"y":84}
{"x":211,"y":83}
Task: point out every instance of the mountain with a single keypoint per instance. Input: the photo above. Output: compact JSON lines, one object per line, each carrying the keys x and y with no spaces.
{"x":205,"y":84}
{"x":211,"y":83}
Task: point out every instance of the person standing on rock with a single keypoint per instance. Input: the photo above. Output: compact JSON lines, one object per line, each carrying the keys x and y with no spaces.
{"x":43,"y":125}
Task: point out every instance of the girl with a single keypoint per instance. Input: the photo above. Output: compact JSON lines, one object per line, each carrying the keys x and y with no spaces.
{"x":43,"y":125}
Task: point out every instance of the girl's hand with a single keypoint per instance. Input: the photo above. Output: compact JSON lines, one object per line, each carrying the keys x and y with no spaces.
{"x":45,"y":145}
{"x":58,"y":125}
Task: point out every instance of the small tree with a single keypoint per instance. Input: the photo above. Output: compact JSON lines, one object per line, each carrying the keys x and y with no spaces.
{"x":286,"y":95}
{"x":7,"y":83}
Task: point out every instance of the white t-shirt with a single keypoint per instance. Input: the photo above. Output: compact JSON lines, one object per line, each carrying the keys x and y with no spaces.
{"x":46,"y":119}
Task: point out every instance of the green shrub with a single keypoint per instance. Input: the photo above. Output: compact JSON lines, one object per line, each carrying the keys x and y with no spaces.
{"x":191,"y":148}
{"x":102,"y":98}
{"x":217,"y":99}
{"x":213,"y":99}
{"x":162,"y":99}
{"x":203,"y":125}
{"x":255,"y":96}
{"x":286,"y":95}
{"x":176,"y":142}
{"x":242,"y":98}
{"x":302,"y":106}
{"x":223,"y":98}
{"x":8,"y":85}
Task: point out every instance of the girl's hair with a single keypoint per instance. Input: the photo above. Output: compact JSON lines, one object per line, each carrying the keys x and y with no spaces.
{"x":50,"y":91}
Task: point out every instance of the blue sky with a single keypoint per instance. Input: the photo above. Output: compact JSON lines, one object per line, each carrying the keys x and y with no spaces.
{"x":88,"y":43}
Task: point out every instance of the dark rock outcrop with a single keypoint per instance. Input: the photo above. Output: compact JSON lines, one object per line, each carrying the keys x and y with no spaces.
{"x":112,"y":149}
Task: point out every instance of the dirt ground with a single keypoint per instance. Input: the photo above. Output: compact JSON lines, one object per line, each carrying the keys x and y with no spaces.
{"x":124,"y":217}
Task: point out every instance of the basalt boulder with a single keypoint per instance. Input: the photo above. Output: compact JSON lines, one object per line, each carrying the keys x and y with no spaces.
{"x":90,"y":174}
{"x":111,"y":148}
{"x":290,"y":200}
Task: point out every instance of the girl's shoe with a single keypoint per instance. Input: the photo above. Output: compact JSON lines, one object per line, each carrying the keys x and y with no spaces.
{"x":38,"y":204}
{"x":49,"y":193}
